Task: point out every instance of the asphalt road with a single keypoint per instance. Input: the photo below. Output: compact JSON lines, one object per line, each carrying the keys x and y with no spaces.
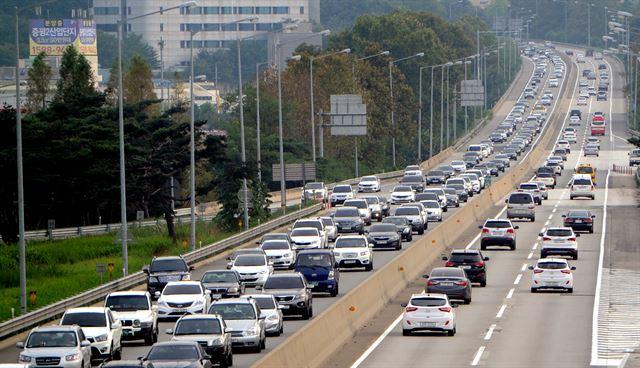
{"x":508,"y":326}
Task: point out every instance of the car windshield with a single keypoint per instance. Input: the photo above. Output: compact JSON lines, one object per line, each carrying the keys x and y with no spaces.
{"x":402,"y":189}
{"x":428,"y":302}
{"x":204,"y":326}
{"x":274,"y":237}
{"x":382,"y":228}
{"x":275,"y":245}
{"x":447,"y":272}
{"x":347,"y":212}
{"x":372,"y":200}
{"x":582,"y":182}
{"x":238,"y":253}
{"x":404,"y":211}
{"x":314,"y":260}
{"x":435,"y":173}
{"x":559,"y":232}
{"x":426,"y":197}
{"x":85,"y":319}
{"x":350,"y":243}
{"x":579,"y":214}
{"x":265,"y":303}
{"x":545,"y":175}
{"x":395,"y":220}
{"x":52,"y":339}
{"x":342,"y":189}
{"x":250,"y":260}
{"x":552,"y":265}
{"x":304,"y":232}
{"x":520,"y":198}
{"x":357,"y":204}
{"x":233,"y":311}
{"x":312,"y":186}
{"x":308,"y":223}
{"x":369,"y":178}
{"x":497,"y":224}
{"x":173,"y":352}
{"x":123,"y":303}
{"x":168,"y":265}
{"x":412,"y":179}
{"x":430,"y":204}
{"x":327,"y":221}
{"x":465,"y":257}
{"x":222,"y":277}
{"x":475,"y":148}
{"x":289,"y":282}
{"x":182,"y":289}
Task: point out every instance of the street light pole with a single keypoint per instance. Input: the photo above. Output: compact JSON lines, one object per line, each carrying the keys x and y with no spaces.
{"x":21,"y":240}
{"x":245,"y":206}
{"x":431,"y":117}
{"x":192,"y":148}
{"x":258,"y":119}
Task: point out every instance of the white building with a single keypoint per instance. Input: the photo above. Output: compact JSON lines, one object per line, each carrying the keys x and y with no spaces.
{"x":212,"y":18}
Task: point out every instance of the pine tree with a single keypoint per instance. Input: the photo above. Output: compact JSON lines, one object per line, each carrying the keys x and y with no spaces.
{"x":39,"y":76}
{"x":76,"y":78}
{"x":138,"y":82}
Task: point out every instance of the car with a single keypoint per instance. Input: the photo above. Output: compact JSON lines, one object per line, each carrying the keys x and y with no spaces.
{"x":416,"y":182}
{"x":242,"y":317}
{"x":270,"y":236}
{"x":471,"y":261}
{"x":587,"y":169}
{"x":470,"y":161}
{"x":369,"y":184}
{"x":564,"y":144}
{"x":64,"y":346}
{"x":479,"y":149}
{"x":320,"y":270}
{"x":434,"y":211}
{"x":498,"y":232}
{"x":458,"y":165}
{"x":315,"y":191}
{"x":308,"y":237}
{"x":548,"y":180}
{"x":559,"y":160}
{"x":353,"y":251}
{"x":461,"y":191}
{"x":348,"y":220}
{"x":403,"y":226}
{"x":452,"y":197}
{"x":448,"y":170}
{"x":533,"y":189}
{"x":384,"y":203}
{"x":165,"y":269}
{"x":402,"y":194}
{"x":363,"y":208}
{"x":436,"y":177}
{"x":185,"y":297}
{"x":475,"y":182}
{"x":413,"y":170}
{"x":422,"y":208}
{"x":570,"y":137}
{"x":414,"y":215}
{"x":559,"y":241}
{"x":100,"y":327}
{"x":314,"y":223}
{"x":429,"y":312}
{"x":210,"y":331}
{"x":521,"y":205}
{"x":593,"y":140}
{"x":451,"y":281}
{"x":375,"y":207}
{"x":553,"y":82}
{"x":461,"y":181}
{"x":590,"y":149}
{"x":601,"y":96}
{"x":582,"y":186}
{"x":579,"y":220}
{"x":341,"y":193}
{"x":634,"y":157}
{"x":561,"y":152}
{"x":292,"y":293}
{"x":385,"y":236}
{"x":257,"y":251}
{"x":136,"y":313}
{"x":496,"y":138}
{"x":270,"y":312}
{"x":187,"y":354}
{"x":330,"y":225}
{"x":582,"y":101}
{"x":224,"y":283}
{"x":574,"y":120}
{"x":279,"y":253}
{"x":544,"y":192}
{"x":254,"y":269}
{"x":552,"y":273}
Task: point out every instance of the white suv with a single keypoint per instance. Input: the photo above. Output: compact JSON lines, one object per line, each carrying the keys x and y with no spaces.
{"x":498,"y":232}
{"x":100,"y":327}
{"x":353,"y":251}
{"x":552,"y":273}
{"x":582,"y":186}
{"x":139,"y":318}
{"x":183,"y":297}
{"x":559,"y":241}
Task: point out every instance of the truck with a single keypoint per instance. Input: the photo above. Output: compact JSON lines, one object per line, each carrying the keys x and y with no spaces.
{"x":598,"y":124}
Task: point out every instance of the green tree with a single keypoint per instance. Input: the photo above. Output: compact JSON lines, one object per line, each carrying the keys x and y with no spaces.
{"x":39,"y":76}
{"x":76,"y":78}
{"x":132,"y":45}
{"x":138,"y":82}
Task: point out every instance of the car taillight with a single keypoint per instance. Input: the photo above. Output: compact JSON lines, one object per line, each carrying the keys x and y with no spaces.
{"x":449,"y":264}
{"x":445,"y":309}
{"x":546,"y":238}
{"x":410,"y":309}
{"x":485,"y":231}
{"x":510,"y":231}
{"x":431,"y":283}
{"x":568,"y":272}
{"x":571,"y":239}
{"x":587,"y":220}
{"x":479,"y":264}
{"x":592,"y":188}
{"x":568,"y":219}
{"x":461,"y":283}
{"x":537,"y":271}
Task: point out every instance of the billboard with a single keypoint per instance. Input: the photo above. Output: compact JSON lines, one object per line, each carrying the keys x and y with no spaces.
{"x":54,"y":35}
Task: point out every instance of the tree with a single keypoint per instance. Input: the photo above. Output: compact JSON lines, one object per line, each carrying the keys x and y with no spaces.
{"x":76,"y":78}
{"x":131,"y":45}
{"x":178,"y":96}
{"x":39,"y":76}
{"x":138,"y":82}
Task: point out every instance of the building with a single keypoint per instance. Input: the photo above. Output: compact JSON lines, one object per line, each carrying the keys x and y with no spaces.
{"x":212,"y":19}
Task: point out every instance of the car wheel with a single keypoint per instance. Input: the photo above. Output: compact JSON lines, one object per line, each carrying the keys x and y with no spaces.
{"x":263,"y":343}
{"x":117,"y":354}
{"x":575,"y":257}
{"x":334,"y":292}
{"x":483,"y":282}
{"x":543,"y":254}
{"x":406,"y":332}
{"x":305,"y":314}
{"x":224,"y":362}
{"x":369,"y":267}
{"x":591,"y":231}
{"x":311,"y":311}
{"x":512,"y":246}
{"x":281,"y":330}
{"x":570,"y":290}
{"x":533,"y":219}
{"x":534,"y":290}
{"x":445,"y":209}
{"x":421,"y":231}
{"x":399,"y":246}
{"x":458,"y":204}
{"x":483,"y":247}
{"x":467,"y":300}
{"x":452,"y":332}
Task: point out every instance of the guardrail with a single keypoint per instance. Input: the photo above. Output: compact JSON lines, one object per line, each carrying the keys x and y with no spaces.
{"x":54,"y":310}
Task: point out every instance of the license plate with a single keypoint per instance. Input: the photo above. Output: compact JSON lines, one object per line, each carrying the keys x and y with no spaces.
{"x":216,"y":296}
{"x":284,"y":306}
{"x":381,"y":241}
{"x":350,"y":261}
{"x":578,"y":221}
{"x":559,"y":241}
{"x":180,"y":310}
{"x":465,"y":267}
{"x":427,"y":324}
{"x":447,"y":283}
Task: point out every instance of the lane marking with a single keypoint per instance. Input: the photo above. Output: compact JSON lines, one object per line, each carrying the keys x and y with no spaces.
{"x":550,"y":217}
{"x":510,"y":293}
{"x":524,"y":267}
{"x":490,"y":332}
{"x":501,"y":311}
{"x":530,"y":255}
{"x":476,"y":359}
{"x":546,"y":223}
{"x":378,"y":341}
{"x":554,"y":209}
{"x":517,"y":280}
{"x":535,"y":245}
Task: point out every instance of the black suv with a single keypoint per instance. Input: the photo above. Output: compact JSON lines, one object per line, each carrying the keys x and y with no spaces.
{"x":471,"y":261}
{"x":164,"y":270}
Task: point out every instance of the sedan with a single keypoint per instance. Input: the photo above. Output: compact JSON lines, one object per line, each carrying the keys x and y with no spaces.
{"x":552,"y":273}
{"x":579,"y":220}
{"x":458,"y":165}
{"x":403,"y":226}
{"x":429,"y":312}
{"x":402,"y":194}
{"x":385,"y":236}
{"x":451,"y":281}
{"x":434,"y":211}
{"x":187,"y":354}
{"x":591,"y":150}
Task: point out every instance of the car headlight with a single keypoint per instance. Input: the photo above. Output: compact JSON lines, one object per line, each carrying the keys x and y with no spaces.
{"x":198,"y":302}
{"x":162,"y":302}
{"x":24,"y":358}
{"x":232,"y":290}
{"x":299,"y":297}
{"x":331,"y":275}
{"x":395,"y":237}
{"x":101,"y":338}
{"x":72,"y":357}
{"x":251,"y":332}
{"x":136,"y":323}
{"x":364,"y":254}
{"x":153,"y":279}
{"x":287,"y":255}
{"x":263,"y":271}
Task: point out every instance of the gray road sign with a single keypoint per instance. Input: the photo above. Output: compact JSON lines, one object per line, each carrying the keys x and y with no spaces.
{"x":471,"y":93}
{"x":348,"y":115}
{"x":295,"y":172}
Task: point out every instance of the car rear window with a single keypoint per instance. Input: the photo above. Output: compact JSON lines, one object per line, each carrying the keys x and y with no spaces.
{"x":520,"y":198}
{"x":428,"y":302}
{"x":404,"y":211}
{"x":559,"y":232}
{"x":498,"y":224}
{"x":308,"y":223}
{"x":465,"y":257}
{"x":579,"y":214}
{"x":582,"y":182}
{"x":529,"y":186}
{"x":552,"y":265}
{"x":447,"y":272}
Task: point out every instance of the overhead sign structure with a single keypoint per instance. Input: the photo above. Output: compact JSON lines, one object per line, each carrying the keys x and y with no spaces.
{"x":348,"y":115}
{"x":53,"y":36}
{"x":471,"y":93}
{"x":295,"y":172}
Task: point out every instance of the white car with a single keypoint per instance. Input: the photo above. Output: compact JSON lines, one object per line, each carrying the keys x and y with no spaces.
{"x":369,"y":184}
{"x":552,"y":273}
{"x":582,"y":186}
{"x":402,"y":194}
{"x":341,"y":193}
{"x":330,"y":228}
{"x":375,"y":207}
{"x":593,"y":140}
{"x":559,"y":241}
{"x":270,"y":311}
{"x":315,"y":191}
{"x":570,"y":137}
{"x":574,"y":120}
{"x":429,"y":312}
{"x":413,"y":173}
{"x":458,"y":165}
{"x":254,"y":269}
{"x":553,"y":82}
{"x":563,"y":143}
{"x":475,"y":182}
{"x":136,"y":313}
{"x":279,"y":253}
{"x":100,"y":327}
{"x":434,"y":211}
{"x":582,"y":101}
{"x":306,"y":238}
{"x":315,"y":223}
{"x":353,"y":251}
{"x":558,"y":160}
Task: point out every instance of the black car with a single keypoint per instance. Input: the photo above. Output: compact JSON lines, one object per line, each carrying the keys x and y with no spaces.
{"x":403,"y":226}
{"x":183,"y":354}
{"x":453,"y":200}
{"x":470,"y":162}
{"x":576,"y":112}
{"x":448,"y":170}
{"x":471,"y":261}
{"x":579,"y":220}
{"x":416,"y":182}
{"x":385,"y":236}
{"x":348,"y":220}
{"x":436,"y":177}
{"x":384,"y":203}
{"x":511,"y":152}
{"x":223,"y":283}
{"x":463,"y":195}
{"x":125,"y":364}
{"x":499,"y":164}
{"x":451,"y":281}
{"x":165,"y":269}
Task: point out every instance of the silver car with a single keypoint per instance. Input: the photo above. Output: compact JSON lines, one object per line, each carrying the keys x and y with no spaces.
{"x":271,"y":311}
{"x":498,"y":232}
{"x":60,"y":346}
{"x":521,"y":205}
{"x":591,"y":149}
{"x":243,"y":320}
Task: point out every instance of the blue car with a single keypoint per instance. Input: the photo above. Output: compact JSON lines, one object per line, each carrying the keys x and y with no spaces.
{"x":318,"y":266}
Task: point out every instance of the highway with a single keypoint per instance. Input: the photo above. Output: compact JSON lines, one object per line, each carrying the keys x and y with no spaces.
{"x":508,"y":326}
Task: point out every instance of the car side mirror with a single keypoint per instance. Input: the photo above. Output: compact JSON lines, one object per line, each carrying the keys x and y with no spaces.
{"x":516,"y":227}
{"x":564,"y":216}
{"x":577,"y":235}
{"x":444,"y":258}
{"x":366,"y":231}
{"x":506,"y":201}
{"x":115,"y":325}
{"x":157,"y":294}
{"x":593,"y":216}
{"x":20,"y":345}
{"x":168,"y":331}
{"x":191,"y":268}
{"x":403,"y":305}
{"x":140,"y":358}
{"x":145,"y":269}
{"x":540,"y":234}
{"x":85,"y":344}
{"x":480,"y":227}
{"x":259,"y":287}
{"x":454,"y":305}
{"x":573,"y":268}
{"x":486,"y":258}
{"x":530,"y":267}
{"x":425,"y":276}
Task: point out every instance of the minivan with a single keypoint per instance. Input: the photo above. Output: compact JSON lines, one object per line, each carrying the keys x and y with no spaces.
{"x":521,"y":205}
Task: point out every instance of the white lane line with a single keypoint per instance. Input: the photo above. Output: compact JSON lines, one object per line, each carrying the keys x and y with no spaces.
{"x":524,"y":267}
{"x":546,"y":223}
{"x":376,"y":343}
{"x":530,"y":255}
{"x":554,"y":209}
{"x":517,"y":280}
{"x":490,"y":332}
{"x":476,"y":359}
{"x":503,"y":307}
{"x":535,"y":245}
{"x":550,"y":217}
{"x":510,"y":293}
